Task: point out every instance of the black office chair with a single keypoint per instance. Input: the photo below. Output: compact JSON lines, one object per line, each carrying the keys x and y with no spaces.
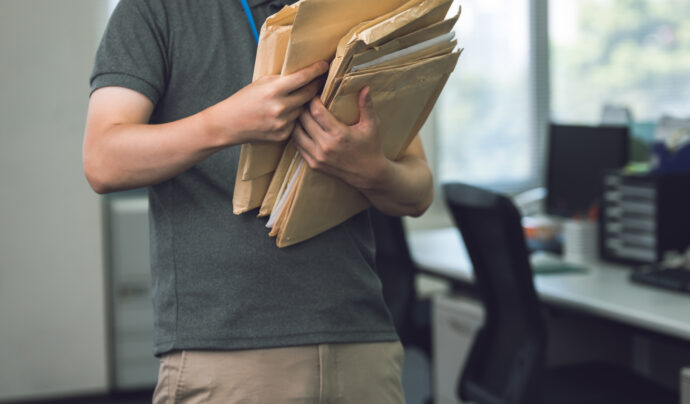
{"x":411,"y":315}
{"x":507,"y":362}
{"x":397,"y":272}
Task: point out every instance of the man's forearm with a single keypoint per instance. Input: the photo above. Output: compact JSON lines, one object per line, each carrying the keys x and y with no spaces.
{"x":133,"y":155}
{"x":353,"y":153}
{"x":405,"y":187}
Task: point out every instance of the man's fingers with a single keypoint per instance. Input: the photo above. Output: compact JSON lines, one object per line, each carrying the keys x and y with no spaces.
{"x":302,"y":140}
{"x":292,"y":115}
{"x":310,"y":124}
{"x":302,"y":95}
{"x":300,"y":78}
{"x":322,"y":115}
{"x":367,"y":115}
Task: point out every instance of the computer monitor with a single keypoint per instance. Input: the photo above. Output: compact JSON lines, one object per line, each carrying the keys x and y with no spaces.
{"x":578,"y":155}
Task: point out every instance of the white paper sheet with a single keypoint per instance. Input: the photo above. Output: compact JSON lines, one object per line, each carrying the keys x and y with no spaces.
{"x":279,"y":206}
{"x":407,"y":51}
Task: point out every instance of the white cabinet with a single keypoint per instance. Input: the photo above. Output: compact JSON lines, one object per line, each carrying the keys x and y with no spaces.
{"x":455,"y":322}
{"x":131,"y":321}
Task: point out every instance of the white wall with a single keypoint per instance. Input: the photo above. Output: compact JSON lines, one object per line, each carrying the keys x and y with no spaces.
{"x":52,"y":327}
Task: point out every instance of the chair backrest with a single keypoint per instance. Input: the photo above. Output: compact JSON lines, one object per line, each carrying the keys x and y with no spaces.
{"x":507,"y":356}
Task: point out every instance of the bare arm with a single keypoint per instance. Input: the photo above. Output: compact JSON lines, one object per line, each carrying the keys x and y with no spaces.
{"x":353,"y":154}
{"x":123,"y":151}
{"x":405,"y":187}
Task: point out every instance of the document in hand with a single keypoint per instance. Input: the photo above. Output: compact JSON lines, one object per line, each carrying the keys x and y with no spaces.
{"x":404,"y":54}
{"x":295,"y":37}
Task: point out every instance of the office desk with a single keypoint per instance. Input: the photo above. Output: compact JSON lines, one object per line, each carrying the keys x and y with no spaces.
{"x":604,"y":290}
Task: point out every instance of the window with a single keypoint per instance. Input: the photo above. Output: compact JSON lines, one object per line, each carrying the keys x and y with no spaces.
{"x":633,"y":53}
{"x":485,"y":115}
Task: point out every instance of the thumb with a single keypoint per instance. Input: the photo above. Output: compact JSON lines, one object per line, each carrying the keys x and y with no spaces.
{"x":367,"y":115}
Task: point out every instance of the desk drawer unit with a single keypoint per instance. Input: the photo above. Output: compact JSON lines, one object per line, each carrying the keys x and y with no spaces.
{"x":643,"y":216}
{"x":455,"y":322}
{"x":132,"y":364}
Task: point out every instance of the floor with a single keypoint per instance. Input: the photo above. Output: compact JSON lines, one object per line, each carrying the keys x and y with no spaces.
{"x":135,"y":397}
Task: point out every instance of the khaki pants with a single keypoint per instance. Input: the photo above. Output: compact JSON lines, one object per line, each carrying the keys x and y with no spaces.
{"x":315,"y":374}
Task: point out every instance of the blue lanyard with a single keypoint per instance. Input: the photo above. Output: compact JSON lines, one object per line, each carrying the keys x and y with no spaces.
{"x":250,"y":18}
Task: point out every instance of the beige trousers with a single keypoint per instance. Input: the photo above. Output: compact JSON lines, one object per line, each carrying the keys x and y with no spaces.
{"x":315,"y":374}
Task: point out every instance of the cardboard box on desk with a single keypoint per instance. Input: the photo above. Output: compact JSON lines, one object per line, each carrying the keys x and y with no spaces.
{"x":405,"y":57}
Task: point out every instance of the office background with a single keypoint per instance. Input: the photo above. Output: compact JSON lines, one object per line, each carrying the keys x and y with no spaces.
{"x":526,"y":63}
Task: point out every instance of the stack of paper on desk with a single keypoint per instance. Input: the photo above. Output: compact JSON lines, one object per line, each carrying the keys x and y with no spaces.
{"x":404,"y":51}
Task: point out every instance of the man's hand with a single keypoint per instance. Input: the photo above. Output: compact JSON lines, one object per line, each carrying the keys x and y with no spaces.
{"x":353,"y":153}
{"x":266,"y":110}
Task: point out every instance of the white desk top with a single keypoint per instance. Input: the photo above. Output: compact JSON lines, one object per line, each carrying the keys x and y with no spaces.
{"x":604,"y":289}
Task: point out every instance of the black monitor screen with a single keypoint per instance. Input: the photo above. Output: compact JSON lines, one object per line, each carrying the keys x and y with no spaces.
{"x":578,"y":155}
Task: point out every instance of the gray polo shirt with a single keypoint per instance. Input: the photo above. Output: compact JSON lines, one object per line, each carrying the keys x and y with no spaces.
{"x":219,"y":281}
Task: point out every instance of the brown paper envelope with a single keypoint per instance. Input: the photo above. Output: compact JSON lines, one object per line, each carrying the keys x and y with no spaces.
{"x":284,"y":161}
{"x":253,"y":174}
{"x":280,"y":176}
{"x":348,"y":44}
{"x":294,"y":166}
{"x":415,"y":18}
{"x":424,"y":34}
{"x":433,"y":51}
{"x":412,"y":17}
{"x":403,"y":98}
{"x":398,"y":94}
{"x":270,"y":55}
{"x":315,"y":32}
{"x":285,"y":16}
{"x":374,"y":53}
{"x":351,"y":35}
{"x":249,"y":191}
{"x":322,"y":216}
{"x":280,"y":179}
{"x":320,"y":24}
{"x":270,"y":52}
{"x":409,"y":59}
{"x":269,"y":61}
{"x":280,"y":222}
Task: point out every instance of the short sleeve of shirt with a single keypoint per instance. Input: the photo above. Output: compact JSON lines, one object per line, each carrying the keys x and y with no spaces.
{"x":132,"y":53}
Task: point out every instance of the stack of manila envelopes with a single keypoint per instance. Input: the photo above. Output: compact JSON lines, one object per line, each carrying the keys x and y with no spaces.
{"x":403,"y":50}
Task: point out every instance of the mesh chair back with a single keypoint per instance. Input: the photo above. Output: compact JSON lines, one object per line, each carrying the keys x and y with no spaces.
{"x":507,"y":355}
